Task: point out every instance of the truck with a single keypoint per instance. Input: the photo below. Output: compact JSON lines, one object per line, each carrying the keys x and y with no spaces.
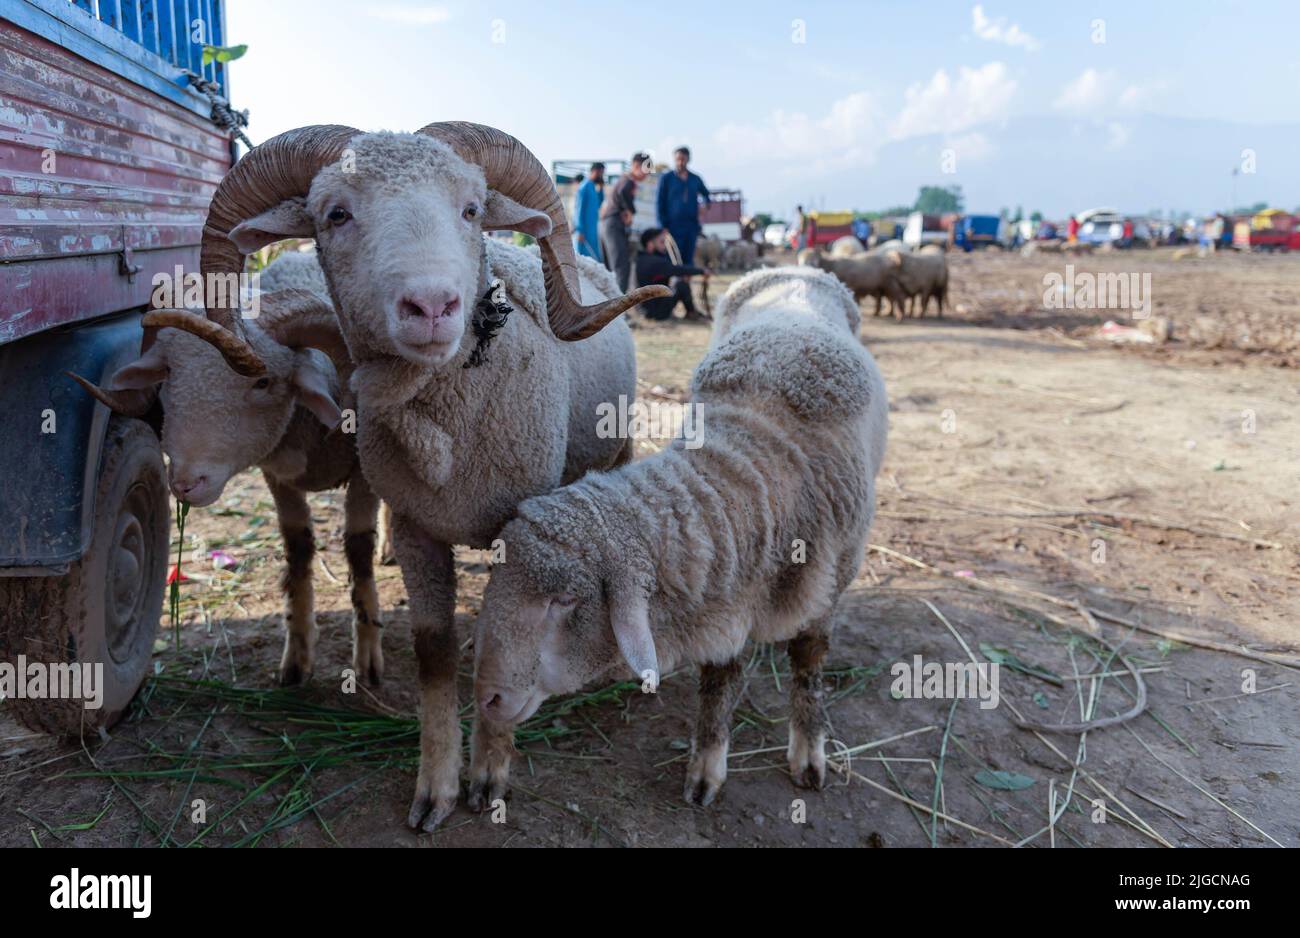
{"x":109,"y":155}
{"x":977,"y":231}
{"x":922,"y":229}
{"x":1270,"y":230}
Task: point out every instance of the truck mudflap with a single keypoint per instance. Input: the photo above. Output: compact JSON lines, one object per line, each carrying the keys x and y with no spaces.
{"x":51,"y":437}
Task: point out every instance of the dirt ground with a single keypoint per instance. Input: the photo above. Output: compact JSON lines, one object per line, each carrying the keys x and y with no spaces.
{"x":1047,"y":498}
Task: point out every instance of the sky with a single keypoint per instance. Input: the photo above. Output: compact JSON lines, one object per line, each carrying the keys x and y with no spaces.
{"x":830,"y":104}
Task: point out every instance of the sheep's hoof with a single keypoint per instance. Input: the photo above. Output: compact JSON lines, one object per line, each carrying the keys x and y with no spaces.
{"x":705,"y":774}
{"x":807,"y":760}
{"x":810,"y":776}
{"x":368,"y":654}
{"x":427,"y":811}
{"x":293,"y":674}
{"x":484,"y":793}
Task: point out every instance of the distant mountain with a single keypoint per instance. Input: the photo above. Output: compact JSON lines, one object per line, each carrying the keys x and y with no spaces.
{"x":1059,"y":165}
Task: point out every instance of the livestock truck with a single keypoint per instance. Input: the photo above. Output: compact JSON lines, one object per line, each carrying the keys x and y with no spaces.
{"x":109,"y":155}
{"x":977,"y":231}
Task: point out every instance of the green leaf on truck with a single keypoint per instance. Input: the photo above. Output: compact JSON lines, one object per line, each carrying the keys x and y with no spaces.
{"x":222,"y":53}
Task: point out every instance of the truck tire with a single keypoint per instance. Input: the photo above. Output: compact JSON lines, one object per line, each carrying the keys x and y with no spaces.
{"x":105,"y":610}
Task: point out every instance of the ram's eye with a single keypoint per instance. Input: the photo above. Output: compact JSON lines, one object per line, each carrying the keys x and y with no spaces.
{"x":564,"y":600}
{"x":338,"y":215}
{"x":470,"y":213}
{"x":261,"y":384}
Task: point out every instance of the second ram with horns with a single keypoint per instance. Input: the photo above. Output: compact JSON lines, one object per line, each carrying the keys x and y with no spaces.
{"x":456,"y":424}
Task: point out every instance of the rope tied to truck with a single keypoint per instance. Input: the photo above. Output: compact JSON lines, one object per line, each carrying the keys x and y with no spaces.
{"x":223,"y":115}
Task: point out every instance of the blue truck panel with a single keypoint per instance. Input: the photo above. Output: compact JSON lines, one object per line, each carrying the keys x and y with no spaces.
{"x":102,"y":33}
{"x":49,"y":487}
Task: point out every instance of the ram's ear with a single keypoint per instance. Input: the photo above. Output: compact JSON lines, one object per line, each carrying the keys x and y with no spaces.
{"x":289,"y":219}
{"x":143,"y":374}
{"x":629,"y":616}
{"x":313,"y":389}
{"x":503,"y":213}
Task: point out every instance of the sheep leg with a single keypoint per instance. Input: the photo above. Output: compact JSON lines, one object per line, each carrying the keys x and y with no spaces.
{"x":387,"y":555}
{"x":361,"y":507}
{"x":294,"y":515}
{"x":491,"y":747}
{"x":806,"y":754}
{"x":720,"y":687}
{"x":430,"y":582}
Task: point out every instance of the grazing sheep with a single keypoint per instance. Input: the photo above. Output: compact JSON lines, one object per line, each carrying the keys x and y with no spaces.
{"x":847,"y":246}
{"x":472,"y":395}
{"x":708,"y":252}
{"x":218,"y":422}
{"x":865,"y":275}
{"x":740,"y":255}
{"x":683,"y":556}
{"x":920,"y":276}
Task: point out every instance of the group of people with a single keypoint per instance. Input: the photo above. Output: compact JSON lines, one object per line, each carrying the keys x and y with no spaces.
{"x":602,"y":226}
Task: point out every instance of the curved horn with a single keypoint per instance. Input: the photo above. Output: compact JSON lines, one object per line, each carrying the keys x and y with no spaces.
{"x":131,"y":403}
{"x":302,"y":319}
{"x":511,"y":169}
{"x":239,"y":355}
{"x":281,"y":168}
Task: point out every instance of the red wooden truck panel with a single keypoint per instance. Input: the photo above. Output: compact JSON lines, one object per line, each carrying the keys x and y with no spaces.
{"x":91,"y":166}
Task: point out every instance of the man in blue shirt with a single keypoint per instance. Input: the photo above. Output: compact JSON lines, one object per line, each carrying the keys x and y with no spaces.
{"x":680,"y":197}
{"x":586,"y":213}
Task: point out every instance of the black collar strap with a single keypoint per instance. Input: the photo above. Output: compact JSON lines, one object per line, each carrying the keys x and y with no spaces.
{"x":490,"y":315}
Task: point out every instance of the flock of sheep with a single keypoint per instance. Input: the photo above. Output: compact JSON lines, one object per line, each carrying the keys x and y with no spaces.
{"x":888,"y":271}
{"x":473,"y":371}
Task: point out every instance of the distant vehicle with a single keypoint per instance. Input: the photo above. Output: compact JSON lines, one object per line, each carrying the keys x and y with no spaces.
{"x":922,"y":229}
{"x":827,"y":227}
{"x":723,"y":213}
{"x":976,"y":231}
{"x":1100,"y":226}
{"x":1272,"y":230}
{"x":774,"y":235}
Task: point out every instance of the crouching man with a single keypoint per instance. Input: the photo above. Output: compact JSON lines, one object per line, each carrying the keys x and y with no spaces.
{"x":653,"y":266}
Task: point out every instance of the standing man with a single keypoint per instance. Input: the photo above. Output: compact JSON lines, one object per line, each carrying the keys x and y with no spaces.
{"x":681,"y":199}
{"x":586,"y":212}
{"x":798,"y":228}
{"x":616,"y":216}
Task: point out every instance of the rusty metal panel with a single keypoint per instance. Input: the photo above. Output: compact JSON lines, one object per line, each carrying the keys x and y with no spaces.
{"x":92,"y":164}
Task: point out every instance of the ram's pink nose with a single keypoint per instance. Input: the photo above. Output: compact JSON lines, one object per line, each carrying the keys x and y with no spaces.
{"x":428,"y":317}
{"x":185,"y":486}
{"x":432,"y":305}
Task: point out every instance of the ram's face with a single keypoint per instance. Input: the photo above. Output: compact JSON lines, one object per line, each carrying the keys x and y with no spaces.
{"x":216,"y":422}
{"x":401,"y":248}
{"x":530,"y":645}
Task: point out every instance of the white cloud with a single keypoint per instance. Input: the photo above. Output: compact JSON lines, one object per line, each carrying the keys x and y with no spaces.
{"x":1090,"y":92}
{"x":947,"y":105}
{"x":846,"y":134}
{"x":856,"y":126}
{"x":410,"y":15}
{"x":1095,"y":93}
{"x":999,"y":31}
{"x":1116,"y":136}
